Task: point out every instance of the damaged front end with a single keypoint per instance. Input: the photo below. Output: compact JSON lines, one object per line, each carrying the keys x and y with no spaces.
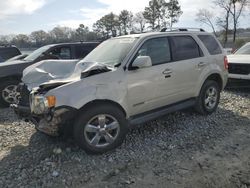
{"x":35,"y":107}
{"x":41,"y":108}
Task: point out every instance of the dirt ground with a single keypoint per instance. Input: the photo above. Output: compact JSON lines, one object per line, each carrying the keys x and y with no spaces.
{"x":182,"y":149}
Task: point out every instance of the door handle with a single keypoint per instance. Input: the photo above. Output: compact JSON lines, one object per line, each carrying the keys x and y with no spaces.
{"x":167,"y":72}
{"x":201,"y":64}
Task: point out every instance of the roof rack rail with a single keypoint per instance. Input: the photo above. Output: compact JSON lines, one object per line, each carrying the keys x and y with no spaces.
{"x":181,"y":29}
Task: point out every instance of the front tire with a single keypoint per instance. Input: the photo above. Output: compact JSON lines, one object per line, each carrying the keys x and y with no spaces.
{"x":8,"y":92}
{"x":100,"y":128}
{"x":208,"y":99}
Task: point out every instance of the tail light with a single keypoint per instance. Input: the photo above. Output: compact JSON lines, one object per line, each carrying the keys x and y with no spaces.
{"x":226,"y":63}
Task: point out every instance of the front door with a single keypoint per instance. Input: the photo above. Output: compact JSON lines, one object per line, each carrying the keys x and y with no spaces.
{"x":147,"y":86}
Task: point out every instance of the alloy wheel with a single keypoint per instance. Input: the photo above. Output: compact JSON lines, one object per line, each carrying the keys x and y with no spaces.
{"x":102,"y":130}
{"x":10,"y":94}
{"x":211,"y":97}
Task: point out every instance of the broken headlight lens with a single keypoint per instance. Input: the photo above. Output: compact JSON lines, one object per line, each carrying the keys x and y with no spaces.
{"x":41,"y":104}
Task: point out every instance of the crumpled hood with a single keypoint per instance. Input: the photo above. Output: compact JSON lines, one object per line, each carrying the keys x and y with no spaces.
{"x":234,"y":58}
{"x":57,"y":71}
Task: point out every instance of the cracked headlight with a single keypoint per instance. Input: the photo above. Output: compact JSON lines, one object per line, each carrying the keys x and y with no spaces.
{"x":41,"y":104}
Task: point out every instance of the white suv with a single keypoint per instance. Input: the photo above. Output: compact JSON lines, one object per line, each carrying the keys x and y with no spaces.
{"x":125,"y":81}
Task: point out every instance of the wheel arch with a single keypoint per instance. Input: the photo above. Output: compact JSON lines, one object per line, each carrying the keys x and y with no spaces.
{"x":217,"y":78}
{"x":103,"y":102}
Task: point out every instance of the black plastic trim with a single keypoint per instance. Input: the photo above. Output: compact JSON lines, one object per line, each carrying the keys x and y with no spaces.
{"x":156,"y":113}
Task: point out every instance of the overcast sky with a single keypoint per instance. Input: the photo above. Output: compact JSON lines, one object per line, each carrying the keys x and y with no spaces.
{"x":25,"y":16}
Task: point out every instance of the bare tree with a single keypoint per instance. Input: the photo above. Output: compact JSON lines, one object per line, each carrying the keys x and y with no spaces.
{"x":204,"y":16}
{"x":236,"y":11}
{"x":224,"y":20}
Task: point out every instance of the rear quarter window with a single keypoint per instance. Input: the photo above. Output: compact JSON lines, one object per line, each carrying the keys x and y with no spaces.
{"x":211,"y":44}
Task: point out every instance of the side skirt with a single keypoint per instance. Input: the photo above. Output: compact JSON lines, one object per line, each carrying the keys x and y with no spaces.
{"x":154,"y":114}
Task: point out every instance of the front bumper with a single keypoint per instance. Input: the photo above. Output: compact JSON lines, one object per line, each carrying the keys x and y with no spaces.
{"x":51,"y":123}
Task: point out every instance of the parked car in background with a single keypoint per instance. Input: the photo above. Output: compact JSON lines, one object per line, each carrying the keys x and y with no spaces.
{"x":239,"y":67}
{"x":7,"y":52}
{"x":18,"y":57}
{"x":125,"y":81}
{"x":11,"y":71}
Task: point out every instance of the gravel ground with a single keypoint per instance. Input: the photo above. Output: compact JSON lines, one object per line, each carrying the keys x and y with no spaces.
{"x":182,"y":149}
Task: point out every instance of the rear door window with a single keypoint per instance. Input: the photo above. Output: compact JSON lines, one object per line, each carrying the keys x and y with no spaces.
{"x":211,"y":44}
{"x":184,"y":47}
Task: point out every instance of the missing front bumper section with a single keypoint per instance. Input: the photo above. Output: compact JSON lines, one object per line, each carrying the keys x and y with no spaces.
{"x":51,"y":123}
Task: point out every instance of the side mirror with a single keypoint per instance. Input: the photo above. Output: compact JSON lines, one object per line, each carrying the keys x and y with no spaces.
{"x":142,"y":62}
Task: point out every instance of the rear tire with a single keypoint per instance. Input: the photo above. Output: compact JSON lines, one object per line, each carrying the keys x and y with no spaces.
{"x":100,"y":128}
{"x":8,"y":94}
{"x":208,"y":99}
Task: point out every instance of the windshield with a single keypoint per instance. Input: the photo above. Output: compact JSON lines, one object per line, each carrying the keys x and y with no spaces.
{"x":111,"y":52}
{"x":244,"y":50}
{"x":34,"y":55}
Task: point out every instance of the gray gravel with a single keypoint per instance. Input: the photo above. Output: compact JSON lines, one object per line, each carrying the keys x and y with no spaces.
{"x":182,"y":149}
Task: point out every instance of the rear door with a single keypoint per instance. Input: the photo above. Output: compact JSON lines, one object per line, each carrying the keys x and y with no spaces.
{"x":188,"y":61}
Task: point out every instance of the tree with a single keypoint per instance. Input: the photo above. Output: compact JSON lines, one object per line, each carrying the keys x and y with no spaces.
{"x":111,"y":21}
{"x":206,"y":17}
{"x":125,"y":19}
{"x":60,"y":34}
{"x":236,"y":11}
{"x":81,"y":32}
{"x":223,"y":21}
{"x":6,"y":39}
{"x":140,"y":20}
{"x":107,"y":25}
{"x":39,"y":37}
{"x":161,"y":13}
{"x":174,"y":11}
{"x":234,"y":8}
{"x":152,"y":13}
{"x":21,"y":41}
{"x":99,"y":28}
